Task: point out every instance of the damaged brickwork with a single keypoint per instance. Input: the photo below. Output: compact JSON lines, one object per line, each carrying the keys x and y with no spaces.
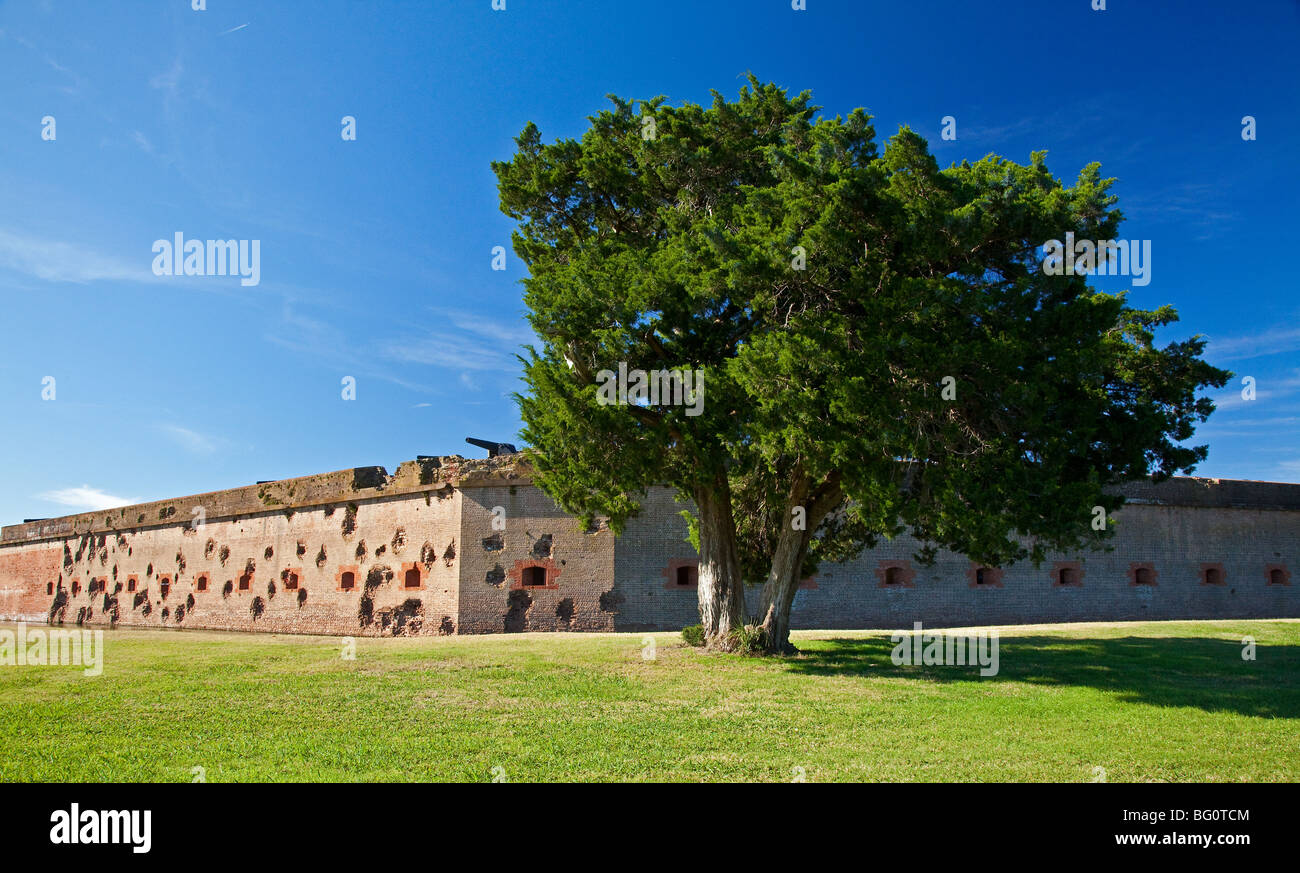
{"x":451,"y":545}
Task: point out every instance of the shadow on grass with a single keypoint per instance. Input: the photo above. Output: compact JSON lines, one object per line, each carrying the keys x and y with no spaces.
{"x":1205,"y":673}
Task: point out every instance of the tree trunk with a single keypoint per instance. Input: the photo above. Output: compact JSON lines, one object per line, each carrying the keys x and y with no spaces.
{"x":779,"y":589}
{"x":791,"y":549}
{"x":721,"y":591}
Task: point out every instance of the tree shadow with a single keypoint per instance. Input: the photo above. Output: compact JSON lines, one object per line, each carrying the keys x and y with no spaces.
{"x":1209,"y":674}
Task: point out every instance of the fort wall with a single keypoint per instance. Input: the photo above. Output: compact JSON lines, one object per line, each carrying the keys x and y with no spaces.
{"x":450,"y":545}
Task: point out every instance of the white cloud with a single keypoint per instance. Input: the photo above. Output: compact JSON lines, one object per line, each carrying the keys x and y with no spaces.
{"x":471,"y":344}
{"x":85,"y":498}
{"x":170,"y":81}
{"x":142,"y":141}
{"x":1270,"y":342}
{"x":190,"y":439}
{"x":454,"y":351}
{"x":57,"y":261}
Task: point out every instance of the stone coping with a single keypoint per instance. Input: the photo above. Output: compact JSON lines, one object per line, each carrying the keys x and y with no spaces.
{"x":436,"y":473}
{"x":283,"y":495}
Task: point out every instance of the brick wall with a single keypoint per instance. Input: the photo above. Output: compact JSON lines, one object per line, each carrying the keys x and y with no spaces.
{"x":1176,"y":540}
{"x":483,"y":551}
{"x":24,"y":579}
{"x":376,"y":536}
{"x":651,"y":543}
{"x":534,"y":532}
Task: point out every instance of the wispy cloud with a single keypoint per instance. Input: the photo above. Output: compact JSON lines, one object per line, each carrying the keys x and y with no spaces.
{"x":1267,"y":389}
{"x":453,"y":350}
{"x":58,"y":261}
{"x":466,"y":342}
{"x":1269,"y":342}
{"x":305,"y":335}
{"x":85,"y":498}
{"x":192,"y":440}
{"x":77,"y":82}
{"x":233,"y":29}
{"x":1200,"y":206}
{"x":169,"y":82}
{"x":142,"y":141}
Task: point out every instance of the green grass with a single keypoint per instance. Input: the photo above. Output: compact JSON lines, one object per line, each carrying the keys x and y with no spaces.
{"x":1169,"y":701}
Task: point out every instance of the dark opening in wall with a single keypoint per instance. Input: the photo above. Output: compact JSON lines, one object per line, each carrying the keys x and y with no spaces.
{"x":59,"y":607}
{"x":366,"y":610}
{"x":347,"y":580}
{"x":1067,"y":576}
{"x":542,"y":548}
{"x":1213,"y":576}
{"x":517,"y":605}
{"x":533,"y":577}
{"x":1143,"y":576}
{"x":1277,"y":576}
{"x":164,"y":586}
{"x":688,"y":576}
{"x":49,"y":587}
{"x":981,"y":578}
{"x":411,"y":579}
{"x":201,"y":582}
{"x":245,"y":581}
{"x":130,"y":583}
{"x":892,"y":573}
{"x":290,"y":580}
{"x":405,"y":620}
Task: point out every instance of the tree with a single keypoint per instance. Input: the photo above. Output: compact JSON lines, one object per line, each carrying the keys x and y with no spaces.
{"x":880,"y":348}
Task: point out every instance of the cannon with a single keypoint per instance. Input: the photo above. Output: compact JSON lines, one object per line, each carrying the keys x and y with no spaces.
{"x":493,"y":449}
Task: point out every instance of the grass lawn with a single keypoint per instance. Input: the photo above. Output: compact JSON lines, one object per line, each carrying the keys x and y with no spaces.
{"x":1168,"y":701}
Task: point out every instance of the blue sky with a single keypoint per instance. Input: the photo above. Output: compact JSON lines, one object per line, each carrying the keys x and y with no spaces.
{"x":376,"y":254}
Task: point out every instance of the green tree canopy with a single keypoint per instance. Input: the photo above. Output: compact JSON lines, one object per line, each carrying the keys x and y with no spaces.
{"x":879,"y":347}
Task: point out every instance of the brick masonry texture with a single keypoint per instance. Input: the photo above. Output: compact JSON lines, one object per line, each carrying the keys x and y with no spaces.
{"x":450,"y":545}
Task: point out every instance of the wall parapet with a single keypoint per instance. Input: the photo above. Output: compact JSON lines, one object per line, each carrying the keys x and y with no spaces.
{"x":424,"y":475}
{"x":432,"y":474}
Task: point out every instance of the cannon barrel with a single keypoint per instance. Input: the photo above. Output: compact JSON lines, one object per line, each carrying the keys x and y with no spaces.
{"x":493,"y":448}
